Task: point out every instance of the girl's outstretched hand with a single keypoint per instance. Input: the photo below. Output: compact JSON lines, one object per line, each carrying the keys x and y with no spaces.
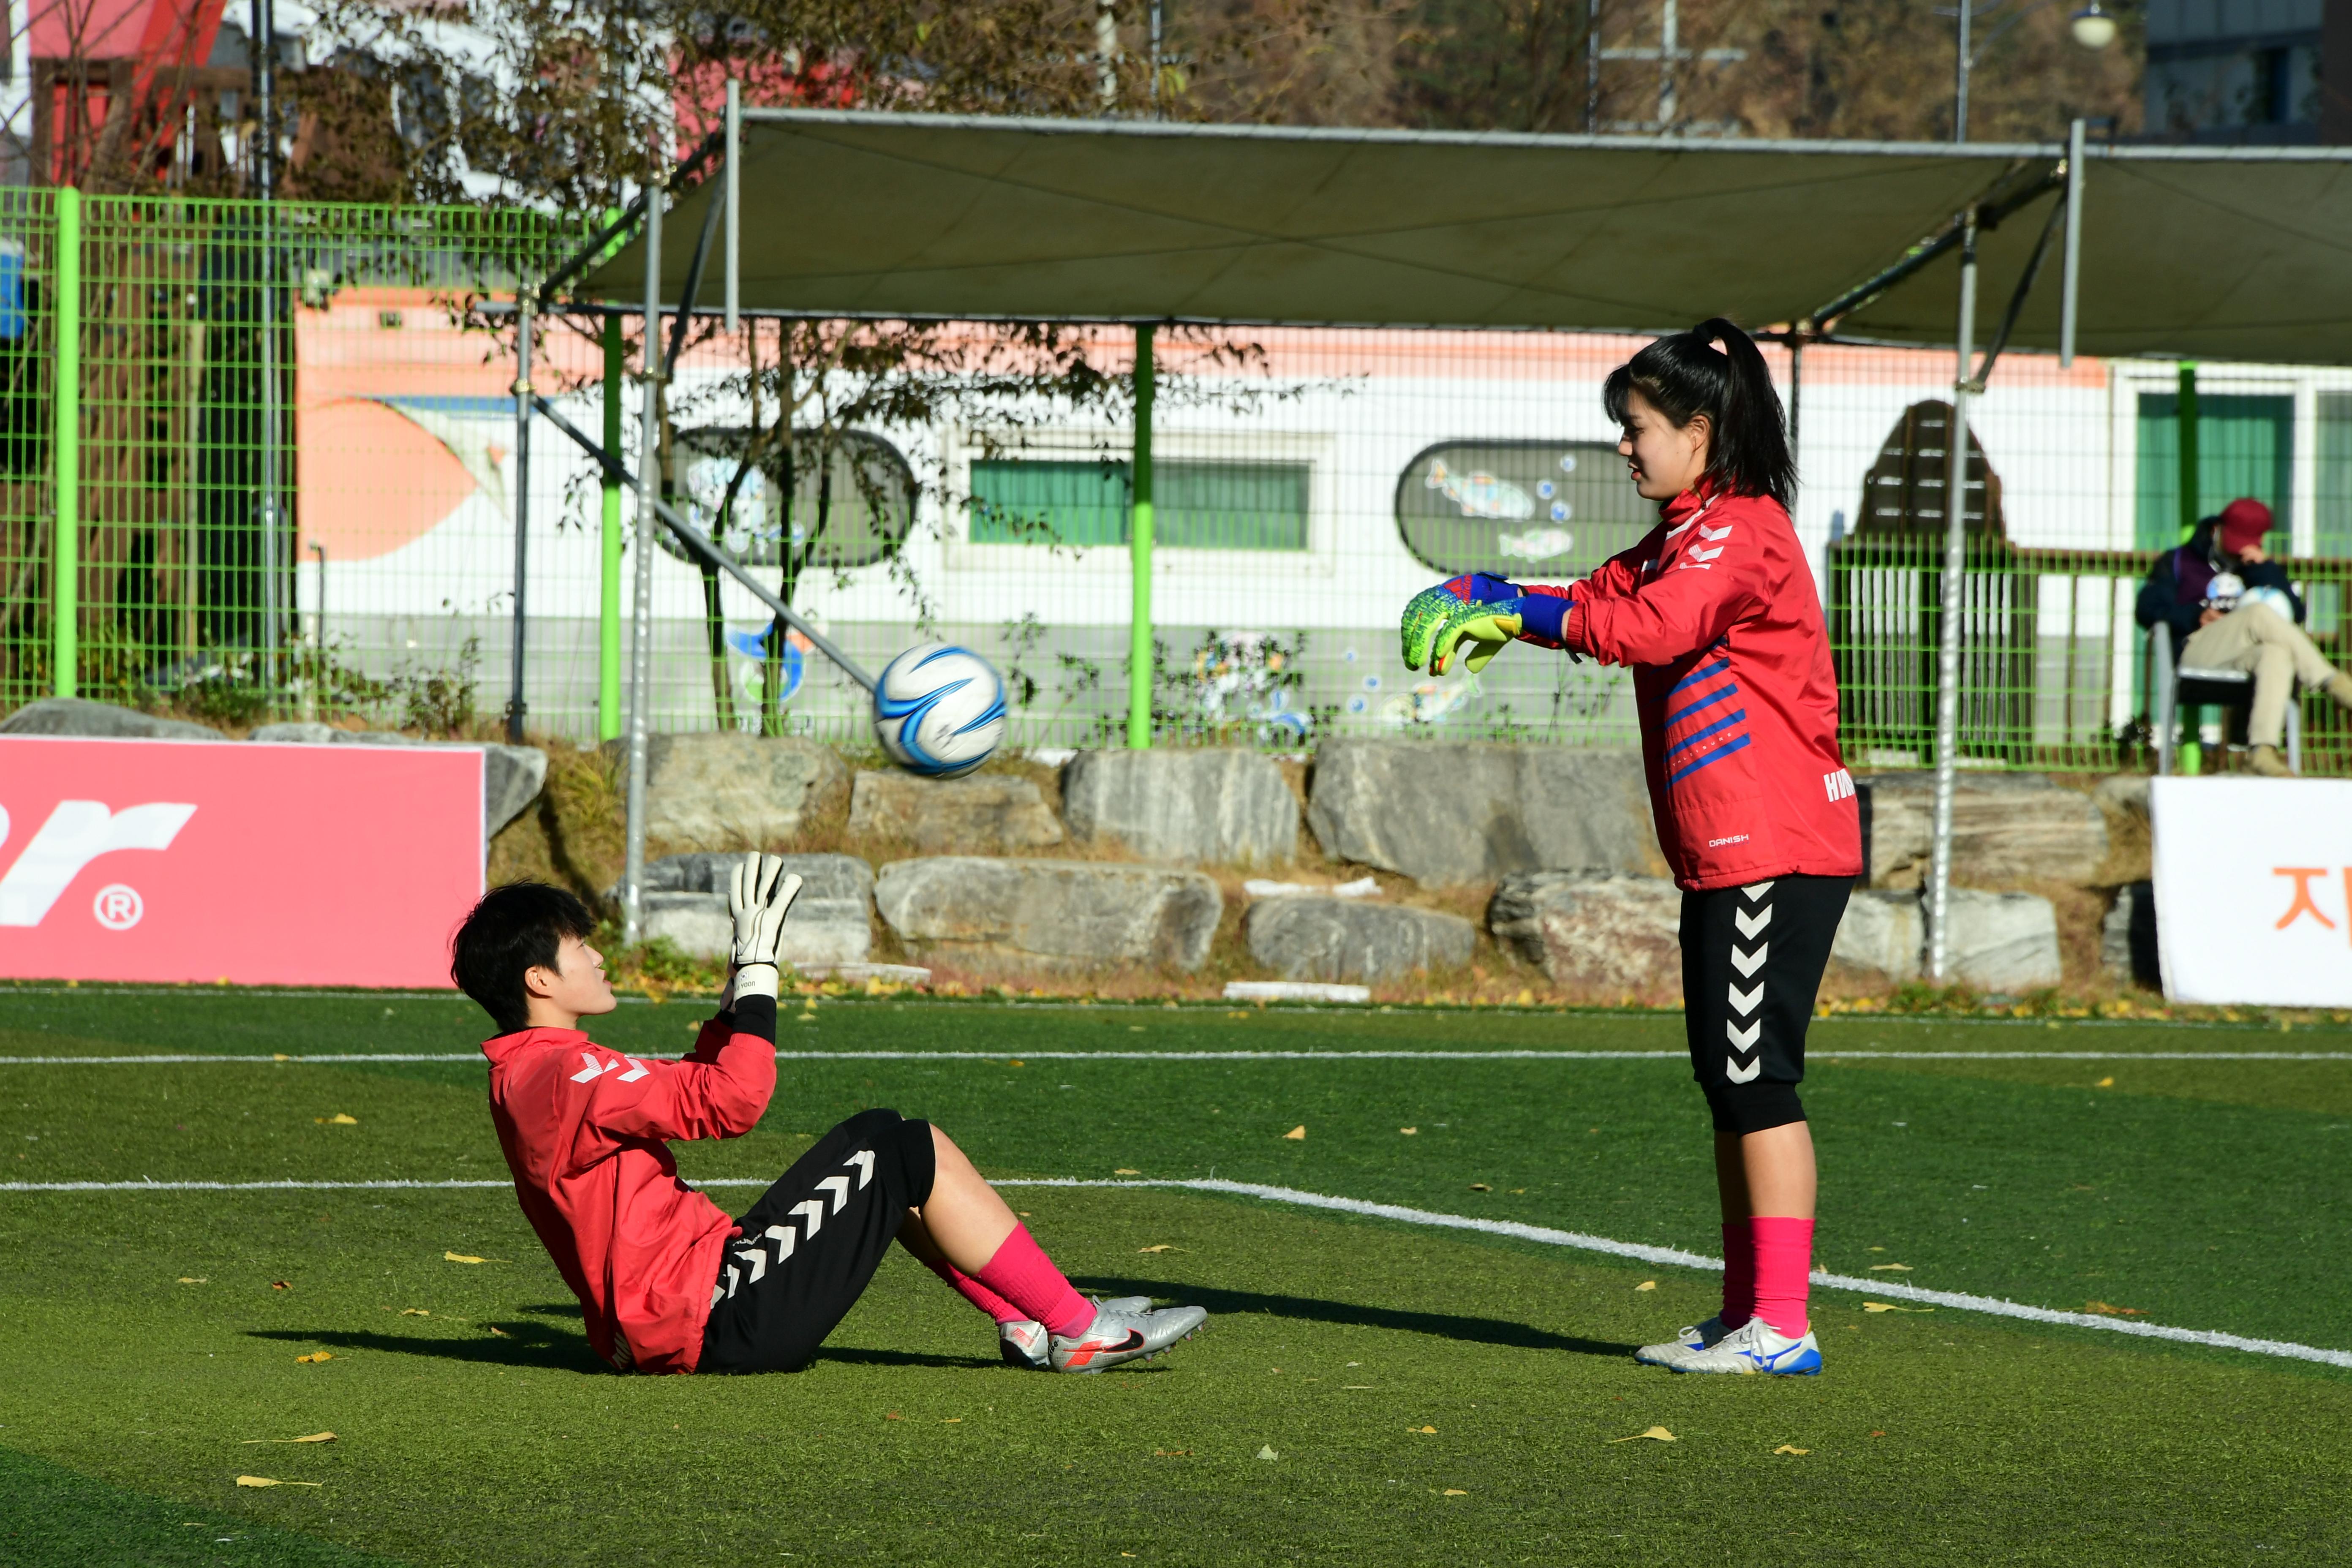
{"x":1475,"y":608}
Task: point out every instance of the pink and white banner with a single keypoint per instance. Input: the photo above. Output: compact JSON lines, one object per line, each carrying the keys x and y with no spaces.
{"x":249,"y":863}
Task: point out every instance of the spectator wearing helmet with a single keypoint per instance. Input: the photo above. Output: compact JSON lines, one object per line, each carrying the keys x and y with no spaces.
{"x":2228,"y":605}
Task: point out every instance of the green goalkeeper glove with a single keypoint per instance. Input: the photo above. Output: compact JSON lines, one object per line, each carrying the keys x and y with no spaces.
{"x":1475,"y":608}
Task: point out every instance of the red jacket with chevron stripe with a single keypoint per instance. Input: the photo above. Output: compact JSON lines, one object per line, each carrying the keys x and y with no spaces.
{"x":584,"y":1130}
{"x":1716,"y":612}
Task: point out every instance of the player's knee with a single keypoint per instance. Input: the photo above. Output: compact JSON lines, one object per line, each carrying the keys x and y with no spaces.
{"x":1755,"y":1107}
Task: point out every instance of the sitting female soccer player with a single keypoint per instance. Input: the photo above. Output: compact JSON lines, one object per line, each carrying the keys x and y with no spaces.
{"x":667,"y":1281}
{"x":1716,"y":612}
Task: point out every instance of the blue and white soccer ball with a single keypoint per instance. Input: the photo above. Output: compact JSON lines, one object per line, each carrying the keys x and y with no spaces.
{"x":938,"y":710}
{"x":2275,"y":599}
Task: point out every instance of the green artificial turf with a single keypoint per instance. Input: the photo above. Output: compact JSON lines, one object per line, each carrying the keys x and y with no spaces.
{"x":2207,"y":1195}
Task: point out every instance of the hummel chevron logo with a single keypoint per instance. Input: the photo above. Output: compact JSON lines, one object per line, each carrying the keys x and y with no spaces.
{"x":1748,"y":926}
{"x":839,"y":1187}
{"x":1755,"y":890}
{"x":1738,"y":1074}
{"x":815,"y":1210}
{"x":785,"y":1237}
{"x":1745,"y":1001}
{"x":1747,"y":964}
{"x":1696,"y":553}
{"x":596,"y":1069}
{"x":758,"y":1260}
{"x":1707,"y":532}
{"x":863,"y":1161}
{"x":1743,"y":1042}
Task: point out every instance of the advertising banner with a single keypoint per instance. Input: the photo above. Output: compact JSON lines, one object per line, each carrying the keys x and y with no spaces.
{"x":2253,"y":890}
{"x":237,"y":861}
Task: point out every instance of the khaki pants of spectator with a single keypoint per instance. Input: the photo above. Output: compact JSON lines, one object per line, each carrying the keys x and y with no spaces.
{"x":2273,"y":650}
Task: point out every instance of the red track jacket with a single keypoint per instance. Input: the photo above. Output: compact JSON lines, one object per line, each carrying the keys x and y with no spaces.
{"x":1716,"y":612}
{"x":583,"y":1130}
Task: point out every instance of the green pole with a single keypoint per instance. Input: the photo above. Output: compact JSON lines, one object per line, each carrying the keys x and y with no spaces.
{"x":1139,"y":652}
{"x":2191,"y":478}
{"x":608,"y":616}
{"x":64,"y":654}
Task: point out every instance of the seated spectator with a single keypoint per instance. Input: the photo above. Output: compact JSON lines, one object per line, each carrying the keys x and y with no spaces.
{"x":2230,"y":607}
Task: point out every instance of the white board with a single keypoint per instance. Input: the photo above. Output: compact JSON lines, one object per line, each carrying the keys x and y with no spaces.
{"x":2253,"y":890}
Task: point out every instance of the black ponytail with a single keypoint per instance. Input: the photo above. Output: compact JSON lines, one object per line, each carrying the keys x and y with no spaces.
{"x":1682,"y":377}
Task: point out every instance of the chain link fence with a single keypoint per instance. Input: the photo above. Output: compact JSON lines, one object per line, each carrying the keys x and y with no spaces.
{"x":293,"y":436}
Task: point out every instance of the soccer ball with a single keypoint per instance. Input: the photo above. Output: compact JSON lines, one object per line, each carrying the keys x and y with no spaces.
{"x":2271,"y":597}
{"x":938,"y":710}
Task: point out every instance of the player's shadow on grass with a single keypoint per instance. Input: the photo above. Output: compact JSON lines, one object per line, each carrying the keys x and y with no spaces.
{"x":518,"y":1344}
{"x":1444,"y":1325}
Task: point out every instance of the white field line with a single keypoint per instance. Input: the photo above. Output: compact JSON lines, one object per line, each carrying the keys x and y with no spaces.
{"x":1820,"y":1058}
{"x":1671,"y":1256}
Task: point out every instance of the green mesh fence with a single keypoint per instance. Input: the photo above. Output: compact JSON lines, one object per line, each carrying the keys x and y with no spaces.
{"x":297,"y":490}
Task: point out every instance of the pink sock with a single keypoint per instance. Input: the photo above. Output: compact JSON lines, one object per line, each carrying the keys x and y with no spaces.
{"x":1784,"y":1263}
{"x":977,"y":1294}
{"x":1739,"y":1274}
{"x":1024,"y":1276}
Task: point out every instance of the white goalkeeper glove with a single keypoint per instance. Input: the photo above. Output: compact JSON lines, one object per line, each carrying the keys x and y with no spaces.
{"x":759,"y":896}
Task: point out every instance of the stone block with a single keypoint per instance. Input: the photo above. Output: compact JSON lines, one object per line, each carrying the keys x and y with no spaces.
{"x":2006,"y":828}
{"x":1053,"y":912}
{"x":1591,"y":931}
{"x":2003,"y":941}
{"x":1879,"y":940}
{"x":1312,"y":937}
{"x":2127,"y":950}
{"x":830,"y":923}
{"x":78,"y":716}
{"x":980,"y":814}
{"x":737,"y":791}
{"x":512,"y":777}
{"x":1213,"y":806}
{"x":1449,"y":812}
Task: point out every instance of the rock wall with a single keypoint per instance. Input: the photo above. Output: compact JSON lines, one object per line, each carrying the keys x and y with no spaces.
{"x":980,"y":814}
{"x":737,"y":792}
{"x":1057,"y":912}
{"x":1207,"y":807}
{"x":1316,"y":937}
{"x":2006,"y":828}
{"x":1592,"y":931}
{"x":830,"y":922}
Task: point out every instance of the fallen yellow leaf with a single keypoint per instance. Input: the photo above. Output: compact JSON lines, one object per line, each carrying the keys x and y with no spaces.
{"x":1297,"y":1134}
{"x":1480,"y":1187}
{"x":313,"y":1437}
{"x":1160,"y":1247}
{"x":192,"y":1279}
{"x":337,"y":1120}
{"x":500,"y":1333}
{"x":469,"y":1258}
{"x":415,"y":1312}
{"x":1428,"y":1429}
{"x":2106,"y":1083}
{"x":1890,"y":1307}
{"x":1126,"y":1171}
{"x":951,"y":1421}
{"x":1408,"y":1131}
{"x":1887,"y":1267}
{"x":1655,"y":1435}
{"x":1456,"y":1491}
{"x":1172,"y":1453}
{"x":1016,"y":1064}
{"x":2108,"y":1309}
{"x":1789,"y":1448}
{"x":317,"y":1356}
{"x":1647,"y":1285}
{"x":266,"y":1481}
{"x":1266,"y":1452}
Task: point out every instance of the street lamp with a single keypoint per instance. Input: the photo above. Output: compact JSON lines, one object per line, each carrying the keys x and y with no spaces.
{"x":2092,"y":27}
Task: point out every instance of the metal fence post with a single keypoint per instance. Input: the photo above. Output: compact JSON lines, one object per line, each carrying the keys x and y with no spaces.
{"x":608,"y":599}
{"x":520,"y":659}
{"x":65,"y":641}
{"x":641,"y":650}
{"x":1140,"y":644}
{"x":1947,"y":654}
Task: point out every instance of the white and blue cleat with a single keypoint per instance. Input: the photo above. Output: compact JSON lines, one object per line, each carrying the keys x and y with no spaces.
{"x":1693,"y":1339}
{"x":1753,"y":1349}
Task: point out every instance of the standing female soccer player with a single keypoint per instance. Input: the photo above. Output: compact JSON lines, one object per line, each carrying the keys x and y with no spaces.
{"x":1716,"y":612}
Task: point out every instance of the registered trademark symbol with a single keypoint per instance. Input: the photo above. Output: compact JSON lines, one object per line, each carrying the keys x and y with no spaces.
{"x":118,"y":907}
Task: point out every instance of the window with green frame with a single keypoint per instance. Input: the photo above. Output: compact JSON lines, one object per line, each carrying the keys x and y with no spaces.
{"x":1197,"y":505}
{"x":2245,"y":446}
{"x":2332,"y":525}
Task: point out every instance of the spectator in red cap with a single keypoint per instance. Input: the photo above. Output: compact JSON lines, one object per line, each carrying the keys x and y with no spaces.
{"x":2230,"y":607}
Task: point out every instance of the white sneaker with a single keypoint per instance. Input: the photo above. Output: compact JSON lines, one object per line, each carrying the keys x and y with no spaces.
{"x":1690,"y":1340}
{"x":1027,"y":1344}
{"x":1116,"y":1338}
{"x":1754,"y":1347}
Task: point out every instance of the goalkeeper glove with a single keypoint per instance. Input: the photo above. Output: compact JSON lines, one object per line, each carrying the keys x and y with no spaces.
{"x":1482,"y":611}
{"x":759,"y":896}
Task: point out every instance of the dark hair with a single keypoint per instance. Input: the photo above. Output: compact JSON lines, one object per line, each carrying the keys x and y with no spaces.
{"x":508,"y":932}
{"x":1681,"y":377}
